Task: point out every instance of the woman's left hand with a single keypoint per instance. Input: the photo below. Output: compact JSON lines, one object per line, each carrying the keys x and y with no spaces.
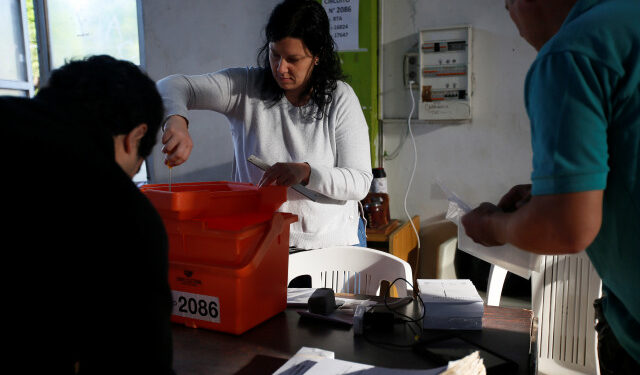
{"x":286,"y":174}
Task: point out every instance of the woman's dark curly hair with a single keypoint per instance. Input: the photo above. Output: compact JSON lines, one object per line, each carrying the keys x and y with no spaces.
{"x":307,"y":21}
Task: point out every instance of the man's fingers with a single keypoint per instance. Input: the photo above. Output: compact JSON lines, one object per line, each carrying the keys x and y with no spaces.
{"x":509,"y":200}
{"x":523,"y":201}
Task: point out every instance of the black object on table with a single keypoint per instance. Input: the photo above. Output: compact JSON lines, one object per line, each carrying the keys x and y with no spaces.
{"x":506,"y":332}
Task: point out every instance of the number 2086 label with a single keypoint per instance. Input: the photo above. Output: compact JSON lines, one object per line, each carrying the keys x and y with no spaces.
{"x":196,"y":306}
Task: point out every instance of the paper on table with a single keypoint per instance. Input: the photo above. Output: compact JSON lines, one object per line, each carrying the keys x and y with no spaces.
{"x":448,"y":290}
{"x":313,"y":361}
{"x":339,"y":367}
{"x":509,"y":257}
{"x":299,"y":363}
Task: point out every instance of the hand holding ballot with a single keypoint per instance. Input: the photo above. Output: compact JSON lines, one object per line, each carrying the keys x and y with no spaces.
{"x":474,"y":231}
{"x":479,"y":228}
{"x":286,"y":174}
{"x":483,"y":231}
{"x":176,"y":140}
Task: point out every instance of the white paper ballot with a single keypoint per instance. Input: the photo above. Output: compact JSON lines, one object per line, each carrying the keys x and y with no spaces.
{"x":509,"y":257}
{"x":303,"y":360}
{"x":313,"y":361}
{"x":299,"y":188}
{"x":339,"y":367}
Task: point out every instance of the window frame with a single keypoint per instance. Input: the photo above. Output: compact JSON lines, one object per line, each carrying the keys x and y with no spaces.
{"x":42,"y":31}
{"x":44,"y":57}
{"x":21,"y":85}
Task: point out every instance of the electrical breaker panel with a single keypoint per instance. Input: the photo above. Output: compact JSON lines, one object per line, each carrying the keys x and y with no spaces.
{"x":445,"y":74}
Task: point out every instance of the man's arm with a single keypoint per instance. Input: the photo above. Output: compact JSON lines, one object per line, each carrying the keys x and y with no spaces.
{"x":547,"y":224}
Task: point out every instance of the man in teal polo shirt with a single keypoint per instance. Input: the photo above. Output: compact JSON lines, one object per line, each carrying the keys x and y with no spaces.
{"x":582,"y":94}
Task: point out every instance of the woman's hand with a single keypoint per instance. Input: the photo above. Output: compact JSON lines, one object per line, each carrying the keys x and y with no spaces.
{"x":286,"y":174}
{"x":176,"y":140}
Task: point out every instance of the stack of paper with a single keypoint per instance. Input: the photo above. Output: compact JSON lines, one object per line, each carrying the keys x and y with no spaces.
{"x":451,"y":304}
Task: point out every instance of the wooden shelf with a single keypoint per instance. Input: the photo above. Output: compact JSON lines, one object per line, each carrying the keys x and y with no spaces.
{"x":382,"y":234}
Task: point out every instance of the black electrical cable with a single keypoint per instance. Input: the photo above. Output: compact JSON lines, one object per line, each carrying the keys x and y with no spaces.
{"x":405,"y":319}
{"x":409,"y":319}
{"x":418,"y":321}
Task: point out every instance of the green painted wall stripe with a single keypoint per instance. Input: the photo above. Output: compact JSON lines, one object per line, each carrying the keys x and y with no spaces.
{"x":361,"y":68}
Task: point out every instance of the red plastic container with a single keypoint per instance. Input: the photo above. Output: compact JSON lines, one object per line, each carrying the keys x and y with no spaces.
{"x":228,"y":252}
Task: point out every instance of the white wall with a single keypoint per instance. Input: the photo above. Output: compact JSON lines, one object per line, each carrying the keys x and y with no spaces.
{"x":480,"y":159}
{"x":195,"y":37}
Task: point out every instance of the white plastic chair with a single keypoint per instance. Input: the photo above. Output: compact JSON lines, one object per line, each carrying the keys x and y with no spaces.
{"x":351,"y":269}
{"x":445,"y":269}
{"x":562,"y":300}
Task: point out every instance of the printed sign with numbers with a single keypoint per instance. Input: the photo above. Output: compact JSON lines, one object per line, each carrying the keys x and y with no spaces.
{"x":196,"y":306}
{"x":343,"y":22}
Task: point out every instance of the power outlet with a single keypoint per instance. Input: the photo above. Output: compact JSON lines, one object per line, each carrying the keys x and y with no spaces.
{"x":411,"y":69}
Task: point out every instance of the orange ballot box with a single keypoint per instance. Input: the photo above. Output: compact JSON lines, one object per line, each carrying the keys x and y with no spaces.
{"x":228,"y":252}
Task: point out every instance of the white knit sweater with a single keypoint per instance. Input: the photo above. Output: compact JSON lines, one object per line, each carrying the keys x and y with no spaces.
{"x":336,"y":147}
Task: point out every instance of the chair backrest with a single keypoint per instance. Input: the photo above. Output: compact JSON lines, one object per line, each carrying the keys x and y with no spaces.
{"x":445,"y":268}
{"x":562,"y":299}
{"x":350,"y":269}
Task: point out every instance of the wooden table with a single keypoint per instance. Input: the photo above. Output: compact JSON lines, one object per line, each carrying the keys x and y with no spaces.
{"x":266,"y":347}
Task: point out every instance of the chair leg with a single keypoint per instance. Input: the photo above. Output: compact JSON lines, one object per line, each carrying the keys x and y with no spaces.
{"x":495,"y":283}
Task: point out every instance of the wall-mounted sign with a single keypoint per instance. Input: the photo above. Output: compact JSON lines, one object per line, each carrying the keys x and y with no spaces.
{"x":343,"y":22}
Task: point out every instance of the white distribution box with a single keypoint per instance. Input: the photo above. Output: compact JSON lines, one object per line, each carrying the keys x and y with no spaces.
{"x":445,"y":74}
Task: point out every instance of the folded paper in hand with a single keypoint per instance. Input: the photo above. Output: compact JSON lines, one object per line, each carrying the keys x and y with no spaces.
{"x":299,"y":188}
{"x":506,"y":256}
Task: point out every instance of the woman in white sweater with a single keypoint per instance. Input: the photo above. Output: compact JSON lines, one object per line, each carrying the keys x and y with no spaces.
{"x":295,"y":113}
